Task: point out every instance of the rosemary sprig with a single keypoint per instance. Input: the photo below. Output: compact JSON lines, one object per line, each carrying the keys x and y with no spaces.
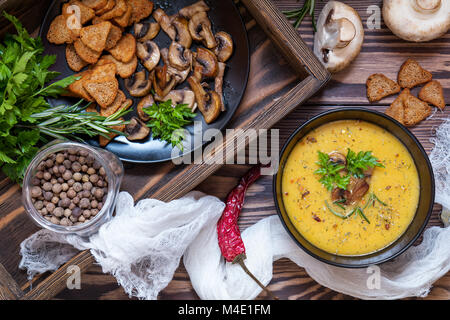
{"x":70,"y":121}
{"x":299,"y":14}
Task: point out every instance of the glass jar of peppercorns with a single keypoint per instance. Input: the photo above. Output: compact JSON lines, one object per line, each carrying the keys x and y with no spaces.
{"x":71,"y":188}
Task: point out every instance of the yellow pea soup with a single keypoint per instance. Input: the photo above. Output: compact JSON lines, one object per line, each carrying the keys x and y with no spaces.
{"x":396,"y":185}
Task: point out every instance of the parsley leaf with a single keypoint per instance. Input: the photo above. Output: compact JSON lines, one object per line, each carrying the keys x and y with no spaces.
{"x":357,"y":163}
{"x":330,"y":172}
{"x":167,"y":122}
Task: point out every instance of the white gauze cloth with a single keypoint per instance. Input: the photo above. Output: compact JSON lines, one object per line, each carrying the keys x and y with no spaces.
{"x":143,"y":244}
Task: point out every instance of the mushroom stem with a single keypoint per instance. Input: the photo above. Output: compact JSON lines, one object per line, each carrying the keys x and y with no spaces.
{"x":347,"y":32}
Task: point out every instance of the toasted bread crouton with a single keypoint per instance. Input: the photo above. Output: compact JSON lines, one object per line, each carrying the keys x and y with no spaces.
{"x":125,"y":48}
{"x":380,"y":86}
{"x":119,"y":9}
{"x":104,"y":70}
{"x":108,"y":6}
{"x":124,"y":70}
{"x":73,"y":59}
{"x":141,"y":10}
{"x":104,"y":141}
{"x":86,"y":13}
{"x":114,"y":36}
{"x":124,"y":20}
{"x":412,"y":74}
{"x":95,"y":36}
{"x":113,"y":107}
{"x":94,"y":4}
{"x":86,"y":53}
{"x":59,"y":33}
{"x":432,"y":93}
{"x":92,"y":108}
{"x":104,"y":91}
{"x":397,"y":108}
{"x":76,"y":89}
{"x":415,"y":110}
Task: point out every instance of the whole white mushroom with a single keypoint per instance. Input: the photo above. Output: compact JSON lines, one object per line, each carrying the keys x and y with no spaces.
{"x":417,"y":20}
{"x":339,"y":37}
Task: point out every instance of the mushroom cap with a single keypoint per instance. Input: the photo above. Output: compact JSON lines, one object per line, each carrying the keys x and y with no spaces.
{"x":339,"y":37}
{"x":417,"y":20}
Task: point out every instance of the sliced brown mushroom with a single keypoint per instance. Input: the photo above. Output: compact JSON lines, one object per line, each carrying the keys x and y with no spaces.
{"x":146,"y":31}
{"x":356,"y":190}
{"x":200,"y":29}
{"x":218,"y":83}
{"x":338,"y":158}
{"x":190,"y":11}
{"x":208,"y":102}
{"x":182,"y":36}
{"x":145,"y":102}
{"x":180,"y":75}
{"x":206,"y":64}
{"x":163,"y":82}
{"x":164,"y":21}
{"x":149,"y":54}
{"x":138,"y":85}
{"x":136,"y":130}
{"x":224,"y":48}
{"x":179,"y":97}
{"x":179,"y":56}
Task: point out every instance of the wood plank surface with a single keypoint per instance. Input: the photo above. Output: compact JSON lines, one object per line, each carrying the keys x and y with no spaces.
{"x":382,"y":52}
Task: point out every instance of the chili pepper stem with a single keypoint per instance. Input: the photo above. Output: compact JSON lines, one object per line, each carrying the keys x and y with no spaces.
{"x":240,"y":260}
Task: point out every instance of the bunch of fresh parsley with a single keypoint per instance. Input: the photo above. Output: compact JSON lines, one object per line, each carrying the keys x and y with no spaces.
{"x":357,"y":163}
{"x":26,"y":119}
{"x":167,"y":121}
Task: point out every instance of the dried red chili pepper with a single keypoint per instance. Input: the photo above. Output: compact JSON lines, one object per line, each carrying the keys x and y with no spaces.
{"x":229,"y":236}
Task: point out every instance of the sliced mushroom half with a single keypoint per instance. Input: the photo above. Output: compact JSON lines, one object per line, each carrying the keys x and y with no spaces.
{"x":224,"y":48}
{"x":163,"y":82}
{"x":339,"y":37}
{"x":218,"y":83}
{"x":164,"y":21}
{"x":179,"y":56}
{"x":145,"y":102}
{"x":180,"y":75}
{"x":200,"y":29}
{"x":146,"y":31}
{"x":182,"y":36}
{"x":136,"y":130}
{"x":179,"y":97}
{"x":209,"y":103}
{"x":149,"y":54}
{"x":206,"y":64}
{"x":138,"y":85}
{"x":189,"y":11}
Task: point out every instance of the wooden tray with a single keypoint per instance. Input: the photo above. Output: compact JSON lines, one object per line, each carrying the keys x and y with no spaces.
{"x":277,"y":85}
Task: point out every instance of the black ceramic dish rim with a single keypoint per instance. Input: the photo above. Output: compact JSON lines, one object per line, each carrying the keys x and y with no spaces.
{"x":428,"y":167}
{"x":229,"y":115}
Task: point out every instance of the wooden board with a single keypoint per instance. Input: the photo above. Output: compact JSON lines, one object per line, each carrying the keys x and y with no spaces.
{"x":289,"y":281}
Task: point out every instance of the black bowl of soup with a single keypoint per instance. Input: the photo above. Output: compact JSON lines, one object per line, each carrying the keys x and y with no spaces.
{"x":354,"y":188}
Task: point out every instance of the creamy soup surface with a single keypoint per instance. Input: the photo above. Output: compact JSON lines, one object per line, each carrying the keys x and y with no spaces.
{"x":397,"y":185}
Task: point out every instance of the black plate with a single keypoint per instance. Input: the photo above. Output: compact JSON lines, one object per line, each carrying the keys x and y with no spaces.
{"x":224,"y":17}
{"x":426,"y":177}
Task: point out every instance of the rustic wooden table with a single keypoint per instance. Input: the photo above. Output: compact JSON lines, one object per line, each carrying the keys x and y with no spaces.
{"x":382,"y":52}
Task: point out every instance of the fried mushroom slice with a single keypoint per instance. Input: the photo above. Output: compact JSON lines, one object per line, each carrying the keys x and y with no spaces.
{"x":189,"y":11}
{"x":179,"y":57}
{"x":224,"y":48}
{"x":164,"y":21}
{"x":138,"y":85}
{"x":145,"y":102}
{"x":208,"y":102}
{"x":163,"y":82}
{"x":182,"y":36}
{"x":200,"y":29}
{"x":218,"y":84}
{"x":180,"y":75}
{"x":136,"y":130}
{"x":183,"y":96}
{"x":205,"y":64}
{"x":146,"y":31}
{"x":149,"y":54}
